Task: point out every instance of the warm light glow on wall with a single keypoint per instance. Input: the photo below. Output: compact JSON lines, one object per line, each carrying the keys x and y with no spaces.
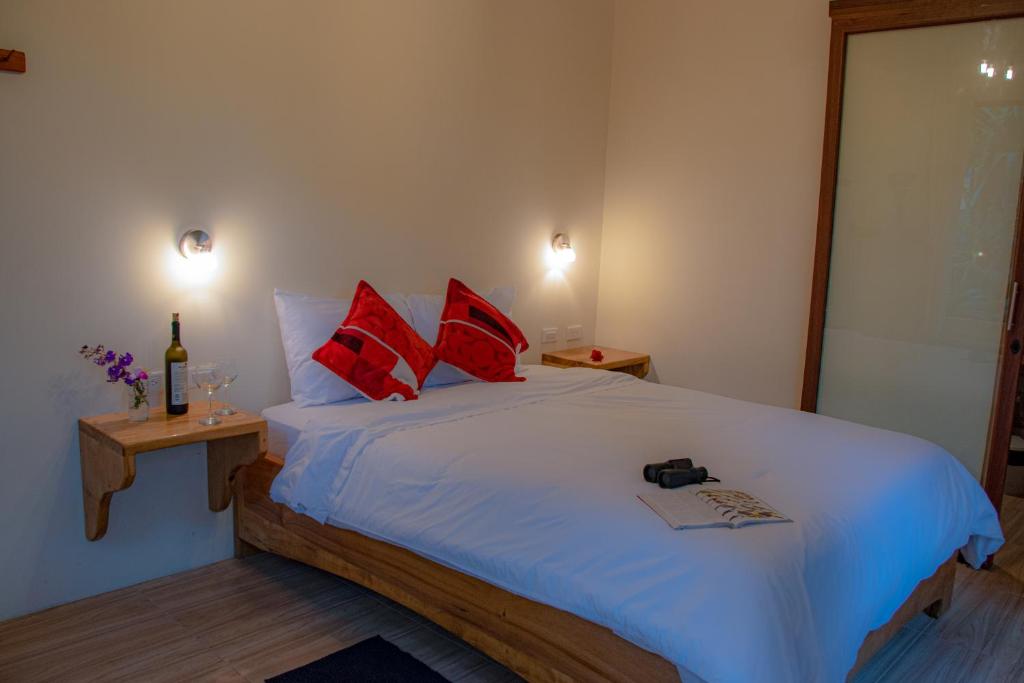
{"x":193,"y":263}
{"x":195,"y":271}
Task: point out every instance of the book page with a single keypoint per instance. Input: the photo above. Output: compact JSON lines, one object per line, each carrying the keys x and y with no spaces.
{"x":740,"y":508}
{"x":682,"y":510}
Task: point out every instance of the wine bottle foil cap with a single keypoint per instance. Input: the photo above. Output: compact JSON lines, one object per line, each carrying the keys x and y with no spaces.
{"x":174,"y":317}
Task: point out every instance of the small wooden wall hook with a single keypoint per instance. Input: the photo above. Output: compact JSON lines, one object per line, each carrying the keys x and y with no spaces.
{"x":12,"y":60}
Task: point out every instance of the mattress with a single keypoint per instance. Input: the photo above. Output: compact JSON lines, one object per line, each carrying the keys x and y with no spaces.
{"x":533,"y":487}
{"x":285,"y":422}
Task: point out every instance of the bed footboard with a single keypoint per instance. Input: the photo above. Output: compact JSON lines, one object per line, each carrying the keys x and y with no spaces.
{"x":539,"y":642}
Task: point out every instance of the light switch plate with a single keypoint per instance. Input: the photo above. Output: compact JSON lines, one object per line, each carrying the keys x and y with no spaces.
{"x":549,"y":335}
{"x":574,"y":332}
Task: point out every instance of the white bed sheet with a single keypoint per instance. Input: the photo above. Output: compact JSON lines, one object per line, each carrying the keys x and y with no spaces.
{"x":285,"y":422}
{"x":532,"y":486}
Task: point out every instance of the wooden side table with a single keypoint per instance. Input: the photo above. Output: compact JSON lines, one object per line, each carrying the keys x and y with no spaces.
{"x":109,"y":443}
{"x":636,"y":364}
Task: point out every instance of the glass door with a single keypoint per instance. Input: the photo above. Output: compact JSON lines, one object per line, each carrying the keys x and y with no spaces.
{"x":926,"y":203}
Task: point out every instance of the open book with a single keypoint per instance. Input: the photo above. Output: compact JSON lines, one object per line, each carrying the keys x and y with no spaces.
{"x":702,"y":507}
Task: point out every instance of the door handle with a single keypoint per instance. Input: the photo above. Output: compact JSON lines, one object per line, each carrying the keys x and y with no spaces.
{"x":1013,"y":305}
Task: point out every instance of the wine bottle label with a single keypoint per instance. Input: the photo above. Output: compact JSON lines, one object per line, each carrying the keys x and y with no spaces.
{"x":178,"y":381}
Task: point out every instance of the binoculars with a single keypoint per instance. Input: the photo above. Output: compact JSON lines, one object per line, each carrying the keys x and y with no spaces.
{"x":672,"y":474}
{"x":652,"y":471}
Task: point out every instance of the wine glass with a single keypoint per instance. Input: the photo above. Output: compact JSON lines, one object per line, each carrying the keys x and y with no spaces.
{"x":208,"y":377}
{"x":229,"y":371}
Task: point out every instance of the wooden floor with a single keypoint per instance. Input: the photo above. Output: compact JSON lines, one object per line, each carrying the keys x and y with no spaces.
{"x":245,"y":620}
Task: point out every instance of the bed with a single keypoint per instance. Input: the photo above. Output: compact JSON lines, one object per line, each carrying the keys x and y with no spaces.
{"x":507,"y":513}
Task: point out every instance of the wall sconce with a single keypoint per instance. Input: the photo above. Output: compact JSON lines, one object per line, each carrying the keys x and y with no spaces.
{"x":195,"y":244}
{"x":562,"y":249}
{"x":198,"y":263}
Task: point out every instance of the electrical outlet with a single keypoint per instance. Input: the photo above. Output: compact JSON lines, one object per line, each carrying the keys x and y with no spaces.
{"x":574,"y":332}
{"x":549,"y":335}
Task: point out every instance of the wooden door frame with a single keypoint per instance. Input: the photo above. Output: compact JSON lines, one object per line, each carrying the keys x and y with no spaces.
{"x":850,"y":17}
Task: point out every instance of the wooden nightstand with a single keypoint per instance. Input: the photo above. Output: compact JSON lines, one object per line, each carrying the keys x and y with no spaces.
{"x":109,"y":443}
{"x":636,"y":364}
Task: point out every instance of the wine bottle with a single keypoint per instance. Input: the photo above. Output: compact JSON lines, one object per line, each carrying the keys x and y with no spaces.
{"x":176,"y":372}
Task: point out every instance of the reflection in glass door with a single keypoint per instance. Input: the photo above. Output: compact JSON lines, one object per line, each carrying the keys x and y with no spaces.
{"x":928,"y":183}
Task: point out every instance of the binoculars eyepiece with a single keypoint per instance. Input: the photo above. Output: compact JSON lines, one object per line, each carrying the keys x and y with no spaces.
{"x":671,"y":479}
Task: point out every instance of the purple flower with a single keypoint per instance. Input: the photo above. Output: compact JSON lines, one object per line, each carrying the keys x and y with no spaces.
{"x":138,"y":377}
{"x":117,"y":367}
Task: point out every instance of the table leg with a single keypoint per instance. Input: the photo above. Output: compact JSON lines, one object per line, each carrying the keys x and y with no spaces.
{"x":105,"y":469}
{"x":223,"y":458}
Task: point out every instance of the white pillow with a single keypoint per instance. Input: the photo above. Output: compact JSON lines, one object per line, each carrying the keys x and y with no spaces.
{"x":426,"y":320}
{"x":307,"y":322}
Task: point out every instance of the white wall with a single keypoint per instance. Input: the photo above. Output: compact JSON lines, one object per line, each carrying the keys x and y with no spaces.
{"x":714,"y":152}
{"x":319,"y":142}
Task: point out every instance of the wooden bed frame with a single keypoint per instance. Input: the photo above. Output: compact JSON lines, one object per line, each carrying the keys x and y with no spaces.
{"x":539,"y":642}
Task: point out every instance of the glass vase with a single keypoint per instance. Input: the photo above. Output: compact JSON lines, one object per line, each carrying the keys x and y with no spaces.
{"x":138,"y":405}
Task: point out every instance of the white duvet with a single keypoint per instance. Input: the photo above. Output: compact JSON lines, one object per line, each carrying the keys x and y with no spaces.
{"x":532,"y":487}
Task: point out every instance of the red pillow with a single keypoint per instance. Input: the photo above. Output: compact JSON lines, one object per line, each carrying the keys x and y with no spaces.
{"x":376,"y":351}
{"x":477,"y":338}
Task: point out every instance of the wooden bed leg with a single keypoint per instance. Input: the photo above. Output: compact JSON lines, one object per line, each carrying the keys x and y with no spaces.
{"x":934,"y":610}
{"x":942,"y":605}
{"x":242,"y":548}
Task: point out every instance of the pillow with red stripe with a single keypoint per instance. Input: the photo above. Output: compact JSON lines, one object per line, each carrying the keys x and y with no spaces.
{"x":376,"y":351}
{"x":477,"y":338}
